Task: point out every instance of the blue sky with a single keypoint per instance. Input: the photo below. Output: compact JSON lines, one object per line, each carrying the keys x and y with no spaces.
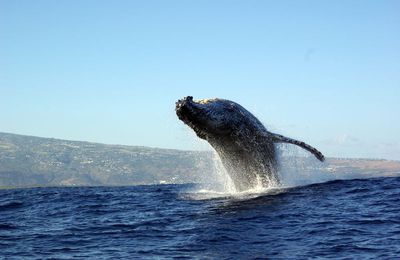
{"x":326,"y":72}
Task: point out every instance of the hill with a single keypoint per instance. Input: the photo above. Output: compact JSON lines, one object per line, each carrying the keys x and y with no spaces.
{"x":31,"y":161}
{"x":36,"y":161}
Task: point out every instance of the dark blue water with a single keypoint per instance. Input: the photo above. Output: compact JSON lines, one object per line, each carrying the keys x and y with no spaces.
{"x":337,"y":219}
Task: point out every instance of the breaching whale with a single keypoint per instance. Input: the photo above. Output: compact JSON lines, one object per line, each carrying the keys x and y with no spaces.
{"x":245,"y":147}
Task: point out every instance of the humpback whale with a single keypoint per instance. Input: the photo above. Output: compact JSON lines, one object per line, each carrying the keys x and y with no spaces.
{"x":247,"y":150}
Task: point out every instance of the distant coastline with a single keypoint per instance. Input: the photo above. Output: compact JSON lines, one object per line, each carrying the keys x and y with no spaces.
{"x":29,"y":161}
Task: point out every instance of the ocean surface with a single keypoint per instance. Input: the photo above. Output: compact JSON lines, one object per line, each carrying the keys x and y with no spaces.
{"x":354,"y":219}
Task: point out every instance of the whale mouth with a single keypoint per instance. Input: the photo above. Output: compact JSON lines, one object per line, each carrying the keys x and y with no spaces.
{"x":192,"y":114}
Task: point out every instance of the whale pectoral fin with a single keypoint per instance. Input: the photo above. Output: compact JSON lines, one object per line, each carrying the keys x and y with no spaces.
{"x":283,"y":139}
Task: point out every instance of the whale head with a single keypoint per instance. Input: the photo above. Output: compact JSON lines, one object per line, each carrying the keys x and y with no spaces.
{"x":210,"y":118}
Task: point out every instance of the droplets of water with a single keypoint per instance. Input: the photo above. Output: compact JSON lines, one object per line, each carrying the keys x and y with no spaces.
{"x":223,"y":178}
{"x":219,"y":184}
{"x":298,"y":167}
{"x":217,"y":180}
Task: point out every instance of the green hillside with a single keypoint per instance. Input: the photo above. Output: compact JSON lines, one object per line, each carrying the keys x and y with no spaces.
{"x":31,"y":161}
{"x":35,"y":161}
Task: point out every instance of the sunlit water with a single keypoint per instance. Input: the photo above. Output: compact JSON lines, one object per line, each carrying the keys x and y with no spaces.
{"x":342,"y":218}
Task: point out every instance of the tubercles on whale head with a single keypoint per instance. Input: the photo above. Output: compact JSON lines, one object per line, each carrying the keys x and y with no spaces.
{"x":187,"y":110}
{"x":207,"y":117}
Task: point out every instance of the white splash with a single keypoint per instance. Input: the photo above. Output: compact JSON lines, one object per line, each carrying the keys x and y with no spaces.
{"x":220,"y":185}
{"x":298,"y":168}
{"x":208,"y":194}
{"x":220,"y":181}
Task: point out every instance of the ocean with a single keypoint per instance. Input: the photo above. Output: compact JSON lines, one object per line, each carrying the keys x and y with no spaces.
{"x":345,"y":219}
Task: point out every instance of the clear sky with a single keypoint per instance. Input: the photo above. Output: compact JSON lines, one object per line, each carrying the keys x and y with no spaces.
{"x":326,"y":72}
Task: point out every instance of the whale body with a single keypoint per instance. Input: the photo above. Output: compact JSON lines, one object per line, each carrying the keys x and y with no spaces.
{"x":245,"y":147}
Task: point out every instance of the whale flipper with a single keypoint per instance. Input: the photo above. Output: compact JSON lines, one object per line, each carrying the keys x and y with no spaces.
{"x":283,"y":139}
